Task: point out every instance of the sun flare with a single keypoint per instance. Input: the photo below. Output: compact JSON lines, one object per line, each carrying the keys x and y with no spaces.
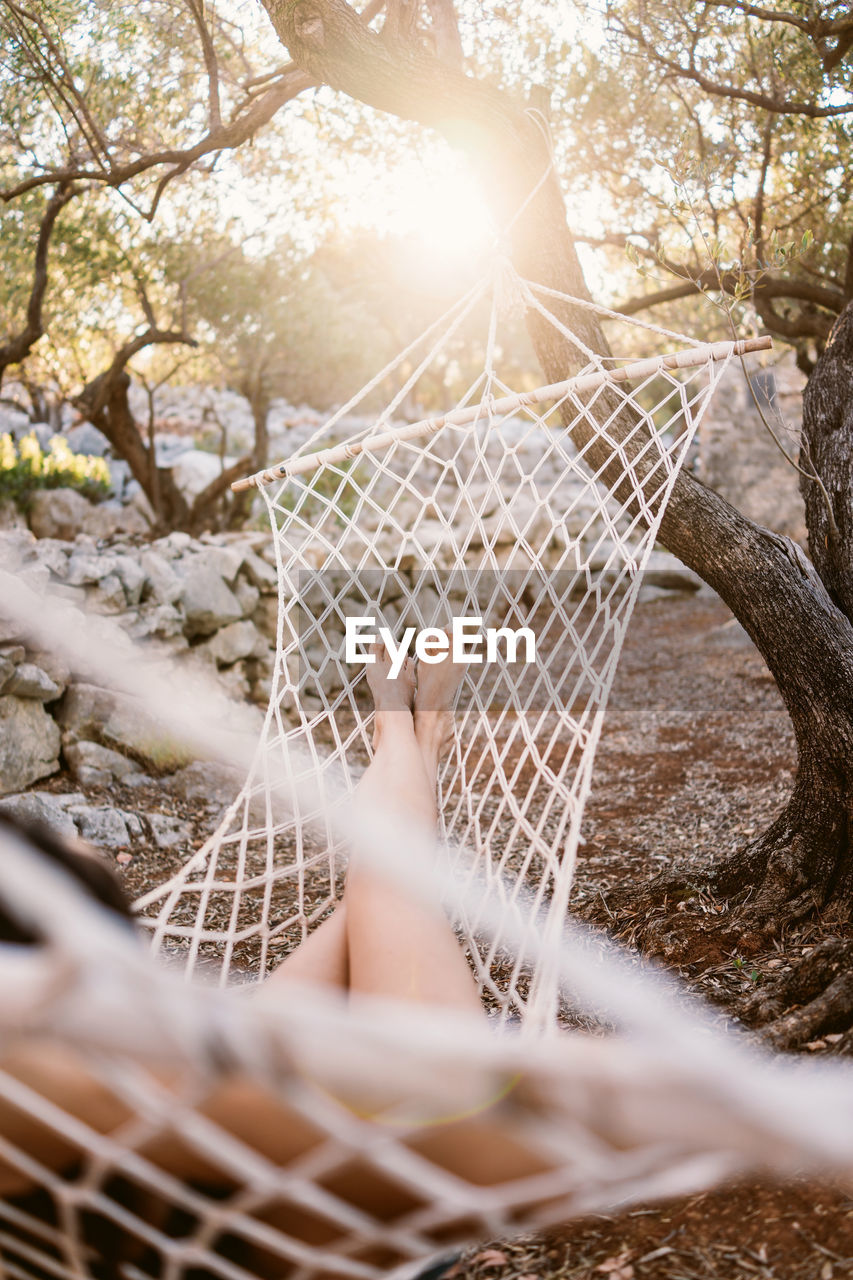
{"x":440,"y":204}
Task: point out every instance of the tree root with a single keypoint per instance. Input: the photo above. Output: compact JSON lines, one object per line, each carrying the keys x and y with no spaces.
{"x":813,"y":1000}
{"x":799,"y":869}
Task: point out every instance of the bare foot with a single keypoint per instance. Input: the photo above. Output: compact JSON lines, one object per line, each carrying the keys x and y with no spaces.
{"x":389,"y":695}
{"x":438,"y":683}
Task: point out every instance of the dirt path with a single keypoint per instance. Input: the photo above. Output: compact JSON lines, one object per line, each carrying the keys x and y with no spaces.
{"x":697,"y":751}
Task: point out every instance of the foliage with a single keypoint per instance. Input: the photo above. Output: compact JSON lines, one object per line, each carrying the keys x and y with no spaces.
{"x":694,"y":115}
{"x":25,"y":467}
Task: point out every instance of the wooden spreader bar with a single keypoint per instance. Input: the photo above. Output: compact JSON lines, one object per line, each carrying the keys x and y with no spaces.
{"x":689,"y":358}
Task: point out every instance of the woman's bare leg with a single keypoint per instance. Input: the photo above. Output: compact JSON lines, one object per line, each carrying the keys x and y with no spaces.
{"x":382,"y":939}
{"x":401,"y":945}
{"x":320,"y":958}
{"x":324,"y":955}
{"x":433,"y":711}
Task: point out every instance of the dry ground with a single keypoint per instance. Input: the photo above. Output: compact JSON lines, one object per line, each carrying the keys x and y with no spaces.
{"x":697,"y":755}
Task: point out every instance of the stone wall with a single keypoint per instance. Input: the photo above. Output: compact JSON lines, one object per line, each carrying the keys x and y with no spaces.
{"x":210,"y":602}
{"x":737,"y":456}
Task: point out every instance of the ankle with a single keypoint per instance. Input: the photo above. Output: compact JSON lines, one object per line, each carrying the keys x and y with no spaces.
{"x":433,"y":730}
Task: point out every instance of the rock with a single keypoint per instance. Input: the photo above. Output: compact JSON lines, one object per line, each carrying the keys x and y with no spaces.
{"x":35,"y":576}
{"x":169,"y":448}
{"x":194,"y":470}
{"x":259,"y":672}
{"x":17,"y":547}
{"x":119,"y":721}
{"x":54,"y":554}
{"x":208,"y":602}
{"x":64,"y":513}
{"x":120,"y":477}
{"x":161,"y":620}
{"x":247,"y":595}
{"x":54,"y":664}
{"x":167,"y":830}
{"x":177,"y":541}
{"x":41,"y":807}
{"x":162,"y":584}
{"x":108,"y":519}
{"x":206,"y":780}
{"x":260,"y":574}
{"x":139,"y":780}
{"x":29,"y":743}
{"x":107,"y":597}
{"x":42,"y":431}
{"x":237,"y":640}
{"x":265,"y":617}
{"x":7,"y":670}
{"x":58,"y":513}
{"x":234,"y":683}
{"x":132,"y":577}
{"x":87,"y":567}
{"x":30,"y":681}
{"x":649,"y":593}
{"x":89,"y":777}
{"x":88,"y":440}
{"x":103,"y":826}
{"x":10,"y":516}
{"x":14,"y":421}
{"x":227,"y":559}
{"x":136,"y":497}
{"x":91,"y":756}
{"x":14,"y":653}
{"x":729,"y":635}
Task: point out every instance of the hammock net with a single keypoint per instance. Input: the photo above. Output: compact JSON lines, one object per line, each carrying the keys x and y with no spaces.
{"x":241,"y":1135}
{"x":532,"y":514}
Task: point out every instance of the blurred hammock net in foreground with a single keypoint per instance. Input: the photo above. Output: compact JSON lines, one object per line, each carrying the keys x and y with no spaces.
{"x":406,"y":1131}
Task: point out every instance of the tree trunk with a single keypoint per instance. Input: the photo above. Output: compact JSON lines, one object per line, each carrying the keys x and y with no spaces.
{"x":104,"y":402}
{"x":826,"y":446}
{"x":255,"y":388}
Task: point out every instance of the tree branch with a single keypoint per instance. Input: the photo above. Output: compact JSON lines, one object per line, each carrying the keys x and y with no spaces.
{"x":63,"y":83}
{"x":810,"y":324}
{"x":401,"y":21}
{"x":776,"y":105}
{"x":17,"y":348}
{"x":196,"y":8}
{"x":448,"y":44}
{"x":260,"y":111}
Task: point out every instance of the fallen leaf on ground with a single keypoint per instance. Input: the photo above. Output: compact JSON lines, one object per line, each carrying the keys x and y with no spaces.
{"x":618,"y":1267}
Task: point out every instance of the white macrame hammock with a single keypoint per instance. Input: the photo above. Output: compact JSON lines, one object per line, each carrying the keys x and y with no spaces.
{"x":494,"y":511}
{"x":494,"y":507}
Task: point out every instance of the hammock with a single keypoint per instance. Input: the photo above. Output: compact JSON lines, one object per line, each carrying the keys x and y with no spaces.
{"x":537,"y":509}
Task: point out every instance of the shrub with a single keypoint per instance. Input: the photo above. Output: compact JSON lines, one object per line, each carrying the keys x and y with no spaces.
{"x":25,"y":467}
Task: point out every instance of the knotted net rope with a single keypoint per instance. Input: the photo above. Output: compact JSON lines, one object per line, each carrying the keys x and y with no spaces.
{"x":534,"y":512}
